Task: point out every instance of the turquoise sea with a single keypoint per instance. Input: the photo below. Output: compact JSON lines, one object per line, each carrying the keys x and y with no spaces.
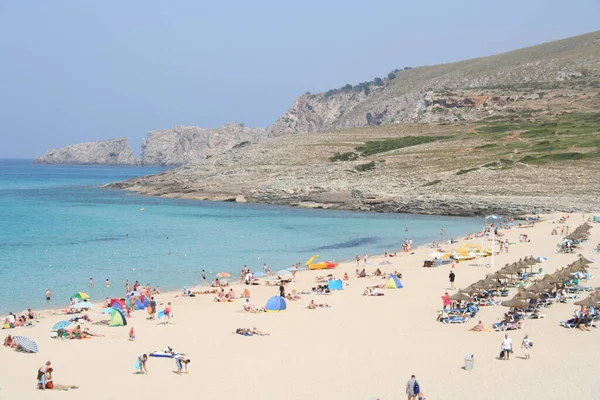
{"x":58,"y":229}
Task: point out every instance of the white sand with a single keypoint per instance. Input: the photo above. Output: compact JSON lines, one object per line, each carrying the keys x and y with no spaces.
{"x":360,"y":348}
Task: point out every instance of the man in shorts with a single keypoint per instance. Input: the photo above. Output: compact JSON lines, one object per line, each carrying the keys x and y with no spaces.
{"x":410,"y":388}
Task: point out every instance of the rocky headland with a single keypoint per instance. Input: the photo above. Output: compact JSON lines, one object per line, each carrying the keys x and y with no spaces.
{"x":106,"y":152}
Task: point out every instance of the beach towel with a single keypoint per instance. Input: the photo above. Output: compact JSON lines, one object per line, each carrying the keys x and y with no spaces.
{"x":162,"y":354}
{"x":161,"y":314}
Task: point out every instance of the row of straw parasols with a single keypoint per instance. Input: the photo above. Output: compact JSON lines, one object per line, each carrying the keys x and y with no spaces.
{"x":534,"y":291}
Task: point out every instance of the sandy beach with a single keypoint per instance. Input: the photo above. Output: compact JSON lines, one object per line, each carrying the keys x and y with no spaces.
{"x":359,"y":348}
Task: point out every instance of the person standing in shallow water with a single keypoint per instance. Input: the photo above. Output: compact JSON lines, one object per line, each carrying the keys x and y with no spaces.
{"x":107,"y":283}
{"x":91,"y":282}
{"x":203,"y":277}
{"x":48,"y":294}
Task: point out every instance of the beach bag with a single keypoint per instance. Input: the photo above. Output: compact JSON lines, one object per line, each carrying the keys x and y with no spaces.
{"x":501,"y":354}
{"x":49,"y":385}
{"x":417,"y":388}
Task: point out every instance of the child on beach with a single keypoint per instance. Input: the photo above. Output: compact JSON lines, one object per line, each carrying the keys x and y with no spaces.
{"x":141,"y":363}
{"x":131,"y":334}
{"x":181,"y":363}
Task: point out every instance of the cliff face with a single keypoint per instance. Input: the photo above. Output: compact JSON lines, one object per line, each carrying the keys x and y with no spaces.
{"x":187,"y":144}
{"x":107,"y":152}
{"x":461,"y":91}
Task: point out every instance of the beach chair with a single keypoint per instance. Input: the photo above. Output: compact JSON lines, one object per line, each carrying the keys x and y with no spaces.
{"x":455,"y":320}
{"x":568,"y":324}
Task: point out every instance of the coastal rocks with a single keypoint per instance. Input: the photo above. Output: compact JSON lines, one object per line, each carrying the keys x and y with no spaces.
{"x":106,"y":152}
{"x":188,"y":144}
{"x":240,"y":199}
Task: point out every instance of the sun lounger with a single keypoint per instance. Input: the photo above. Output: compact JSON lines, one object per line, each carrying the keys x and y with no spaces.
{"x":500,"y":327}
{"x":455,"y":320}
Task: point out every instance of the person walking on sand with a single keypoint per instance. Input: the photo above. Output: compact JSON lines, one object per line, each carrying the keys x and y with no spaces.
{"x":203,"y":278}
{"x":526,"y":345}
{"x":357,"y":260}
{"x":506,"y":347}
{"x":131,"y":334}
{"x":451,"y":278}
{"x":48,"y":294}
{"x":412,"y":388}
{"x":168,"y":313}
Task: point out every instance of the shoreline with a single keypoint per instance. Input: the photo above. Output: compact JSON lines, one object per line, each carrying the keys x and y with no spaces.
{"x":237,"y":282}
{"x":430,"y":204}
{"x":397,"y":333}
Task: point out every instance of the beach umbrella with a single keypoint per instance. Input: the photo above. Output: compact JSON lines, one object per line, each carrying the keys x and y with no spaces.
{"x":283,"y":272}
{"x":497,"y":275}
{"x":590,"y":301}
{"x":83,"y":305}
{"x":524,"y":295}
{"x":492,"y":217}
{"x":81,"y":296}
{"x":551,"y":279}
{"x":540,"y":259}
{"x":460,"y":297}
{"x":469,"y":289}
{"x":61,"y":325}
{"x":223,"y":275}
{"x":258,"y":274}
{"x":485,"y":284}
{"x":515,"y":303}
{"x":26,"y":344}
{"x":585,"y":260}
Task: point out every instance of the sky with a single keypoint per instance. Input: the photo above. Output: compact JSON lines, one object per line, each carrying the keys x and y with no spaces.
{"x":77,"y":71}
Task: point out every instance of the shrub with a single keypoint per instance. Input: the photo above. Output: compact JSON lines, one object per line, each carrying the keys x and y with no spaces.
{"x":378,"y":81}
{"x":365,"y":167}
{"x":374,"y":147}
{"x":466,"y":171}
{"x":433,"y":182}
{"x":391,"y":76}
{"x":348,"y":156}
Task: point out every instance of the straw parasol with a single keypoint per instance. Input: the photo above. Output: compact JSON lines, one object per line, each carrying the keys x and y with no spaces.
{"x":460,"y":297}
{"x":551,"y":278}
{"x":497,"y":275}
{"x":590,"y":301}
{"x":584,"y":260}
{"x":540,"y":287}
{"x":470,"y":290}
{"x":484,"y":284}
{"x":515,"y":303}
{"x":524,"y":295}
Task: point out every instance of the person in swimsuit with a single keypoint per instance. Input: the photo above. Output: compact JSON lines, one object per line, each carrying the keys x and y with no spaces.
{"x":107,"y":283}
{"x":48,"y":294}
{"x":181,"y":363}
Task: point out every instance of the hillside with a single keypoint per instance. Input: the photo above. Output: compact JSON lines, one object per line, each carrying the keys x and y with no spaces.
{"x":529,"y":78}
{"x":514,"y":165}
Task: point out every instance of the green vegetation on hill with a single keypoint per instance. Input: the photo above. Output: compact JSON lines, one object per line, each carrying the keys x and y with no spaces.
{"x":380,"y":146}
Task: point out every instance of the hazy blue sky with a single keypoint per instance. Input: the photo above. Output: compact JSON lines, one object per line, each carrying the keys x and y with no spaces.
{"x":74,"y":71}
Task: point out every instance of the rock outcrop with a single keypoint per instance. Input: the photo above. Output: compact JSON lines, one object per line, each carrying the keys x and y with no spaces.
{"x":182,"y":145}
{"x":106,"y":152}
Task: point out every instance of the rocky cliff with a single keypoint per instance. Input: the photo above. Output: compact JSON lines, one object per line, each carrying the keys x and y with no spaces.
{"x":107,"y":152}
{"x":186,"y":144}
{"x":461,"y":91}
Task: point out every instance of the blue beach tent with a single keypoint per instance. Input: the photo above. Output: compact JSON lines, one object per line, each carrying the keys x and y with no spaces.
{"x":275,"y":303}
{"x":335,"y":284}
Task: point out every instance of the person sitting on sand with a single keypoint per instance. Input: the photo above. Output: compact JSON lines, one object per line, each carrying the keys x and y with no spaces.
{"x":87,"y":332}
{"x":313,"y":306}
{"x":77,"y":333}
{"x":231,"y":295}
{"x":249,"y":307}
{"x":363,"y":274}
{"x":245,"y":294}
{"x":378,"y":272}
{"x":221,"y":296}
{"x":216,"y":283}
{"x":479,"y":328}
{"x":345,"y":276}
